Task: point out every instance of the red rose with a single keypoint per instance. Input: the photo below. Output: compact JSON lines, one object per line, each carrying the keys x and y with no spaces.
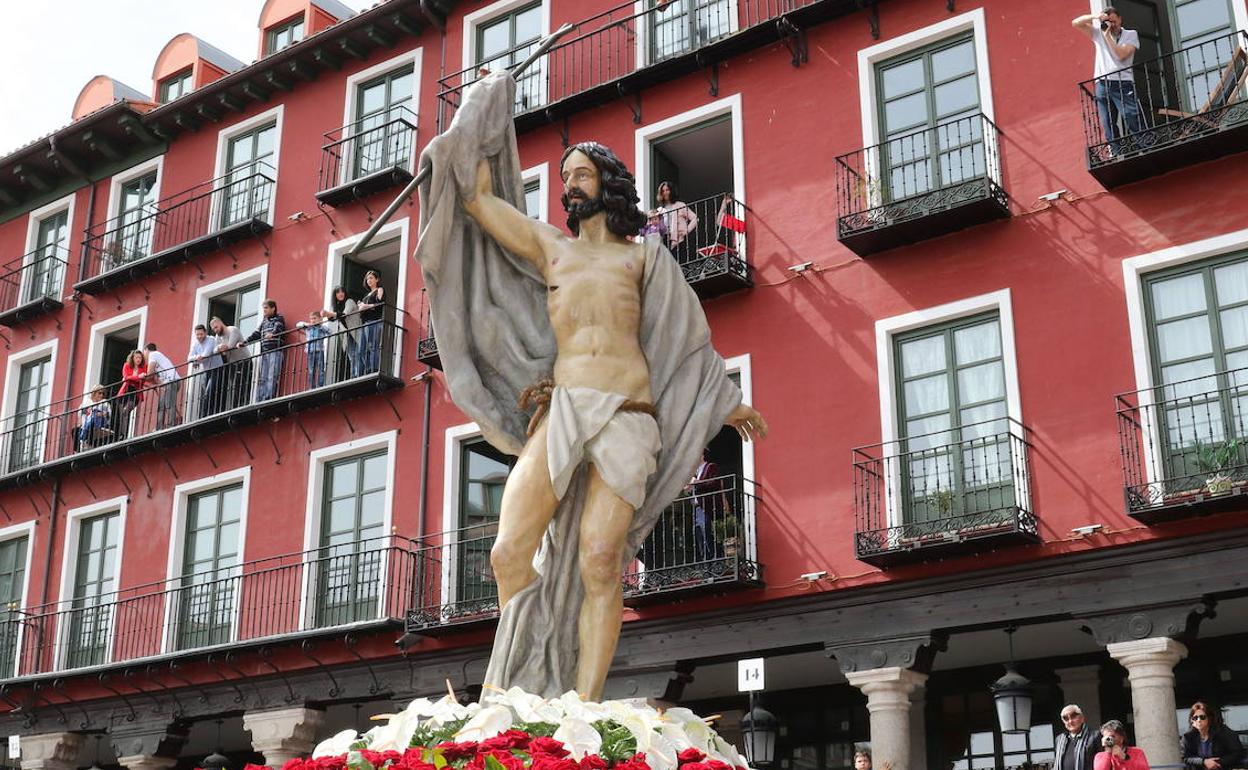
{"x":379,"y":758}
{"x":453,"y":751}
{"x":544,"y":745}
{"x":250,"y":766}
{"x":291,"y":764}
{"x":695,"y":766}
{"x":715,"y":764}
{"x":329,"y":763}
{"x":551,"y":762}
{"x":690,"y":755}
{"x":512,"y":739}
{"x":508,"y":760}
{"x":637,"y":762}
{"x":593,"y":762}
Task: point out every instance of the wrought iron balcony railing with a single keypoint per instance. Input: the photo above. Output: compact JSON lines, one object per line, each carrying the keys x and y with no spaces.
{"x":204,"y":218}
{"x":708,"y":239}
{"x":427,"y":345}
{"x":298,"y":374}
{"x":704,"y":542}
{"x":942,"y":493}
{"x":1184,"y":446}
{"x":1172,"y":111}
{"x":367,"y":156}
{"x":298,"y":593}
{"x":920,"y":185}
{"x":32,"y":285}
{"x":623,"y":49}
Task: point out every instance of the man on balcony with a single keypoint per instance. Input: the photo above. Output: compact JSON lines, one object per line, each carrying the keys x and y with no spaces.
{"x":269,"y":333}
{"x":1115,"y":86}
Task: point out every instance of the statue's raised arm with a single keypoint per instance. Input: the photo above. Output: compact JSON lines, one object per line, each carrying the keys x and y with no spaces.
{"x":516,"y":232}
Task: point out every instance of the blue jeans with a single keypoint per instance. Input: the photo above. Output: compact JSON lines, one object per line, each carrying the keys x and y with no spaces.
{"x":1116,"y":99}
{"x":270,"y":371}
{"x":316,"y":368}
{"x":368,"y":358}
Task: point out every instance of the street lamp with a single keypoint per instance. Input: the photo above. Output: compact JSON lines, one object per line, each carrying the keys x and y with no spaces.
{"x":759,"y":728}
{"x":1012,"y":694}
{"x":216,"y":760}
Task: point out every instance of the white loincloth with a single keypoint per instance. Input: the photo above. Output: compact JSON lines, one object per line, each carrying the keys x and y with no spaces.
{"x":586,"y":424}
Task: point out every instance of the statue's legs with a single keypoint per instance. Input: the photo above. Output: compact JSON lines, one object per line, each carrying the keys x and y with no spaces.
{"x":529,"y":504}
{"x":604,"y":529}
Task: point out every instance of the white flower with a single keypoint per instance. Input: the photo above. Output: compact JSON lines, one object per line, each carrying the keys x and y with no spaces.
{"x":488,"y":722}
{"x":447,"y":709}
{"x":728,"y":752}
{"x":697,"y":731}
{"x":674,"y":732}
{"x":575,"y":708}
{"x":579,"y":737}
{"x":396,"y":734}
{"x":336,"y":746}
{"x":526,"y":706}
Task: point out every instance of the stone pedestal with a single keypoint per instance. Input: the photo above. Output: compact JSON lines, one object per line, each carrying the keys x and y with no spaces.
{"x":51,"y":751}
{"x":888,"y":693}
{"x":1081,"y":686}
{"x":1150,"y":669}
{"x":146,"y":762}
{"x":283,"y":734}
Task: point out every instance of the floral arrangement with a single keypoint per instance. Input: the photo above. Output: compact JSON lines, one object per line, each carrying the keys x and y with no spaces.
{"x":515,"y":730}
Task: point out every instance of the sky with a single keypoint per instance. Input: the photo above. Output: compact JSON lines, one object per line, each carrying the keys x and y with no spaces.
{"x":46,"y":58}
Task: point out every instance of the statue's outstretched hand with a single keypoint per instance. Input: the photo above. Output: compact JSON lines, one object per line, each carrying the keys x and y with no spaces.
{"x":747,"y":422}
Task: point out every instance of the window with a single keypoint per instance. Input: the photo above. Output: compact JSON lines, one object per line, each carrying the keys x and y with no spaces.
{"x":679,"y":26}
{"x":1198,"y":25}
{"x":133,"y":238}
{"x":951,"y":393}
{"x":34,"y":394}
{"x":12,"y":587}
{"x":533,"y":198}
{"x":247,"y":192}
{"x":970,"y":738}
{"x":1198,"y":334}
{"x":209,"y":592}
{"x":929,"y":117}
{"x":351,"y":555}
{"x":175,"y":86}
{"x":237,"y":307}
{"x":91,"y":614}
{"x":51,"y":251}
{"x":483,"y":473}
{"x":381,"y":142}
{"x":508,"y":39}
{"x":283,"y":35}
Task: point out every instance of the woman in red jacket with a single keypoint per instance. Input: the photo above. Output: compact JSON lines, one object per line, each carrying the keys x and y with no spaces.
{"x":135,"y":376}
{"x":1117,"y":755}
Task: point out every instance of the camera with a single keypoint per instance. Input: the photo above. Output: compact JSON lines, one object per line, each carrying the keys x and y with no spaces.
{"x":1108,"y":742}
{"x":1104,"y":26}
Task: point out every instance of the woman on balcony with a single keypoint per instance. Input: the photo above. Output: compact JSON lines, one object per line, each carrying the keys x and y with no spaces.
{"x":346,"y":315}
{"x":680,"y":221}
{"x":135,"y":376}
{"x":372,"y":307}
{"x":94,"y":417}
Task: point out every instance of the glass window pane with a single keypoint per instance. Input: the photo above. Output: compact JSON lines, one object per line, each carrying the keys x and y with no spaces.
{"x":902,"y":78}
{"x":1183,"y":339}
{"x":922,"y":356}
{"x":957,"y":96}
{"x":342,"y":515}
{"x":1188,"y":379}
{"x":1201,"y":16}
{"x":374,"y":472}
{"x":927,"y":432}
{"x":401,"y":88}
{"x":1178,"y":296}
{"x":494,"y":40}
{"x":976,"y":343}
{"x":529,"y":25}
{"x":954,"y":61}
{"x":1235,"y":327}
{"x":1230,"y":282}
{"x":984,"y":382}
{"x":905,"y":113}
{"x":344,"y":477}
{"x":930,"y":394}
{"x":372,"y":98}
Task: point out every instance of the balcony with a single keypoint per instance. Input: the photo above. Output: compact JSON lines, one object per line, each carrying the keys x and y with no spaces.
{"x":205,"y":218}
{"x":712,"y":253}
{"x":368,"y":156}
{"x":621,"y":51}
{"x":1193,"y":107}
{"x":31,"y":285}
{"x":949,"y":493}
{"x":79,"y":433}
{"x":306,"y":593}
{"x":427,"y":345}
{"x":703,"y":543}
{"x":920,"y":185}
{"x":1184,"y":447}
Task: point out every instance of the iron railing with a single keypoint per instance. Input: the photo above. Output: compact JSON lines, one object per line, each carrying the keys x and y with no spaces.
{"x":610,"y":45}
{"x":913,"y":176}
{"x":707,"y":237}
{"x":967,"y":483}
{"x":427,"y":344}
{"x":369,"y":146}
{"x":33,"y":278}
{"x":457,"y":584}
{"x":194,"y":219}
{"x":333,"y":585}
{"x":1180,"y":97}
{"x":297,"y":366}
{"x":1184,"y":442}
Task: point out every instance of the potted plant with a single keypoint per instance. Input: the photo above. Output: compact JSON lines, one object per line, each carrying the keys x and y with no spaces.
{"x":1213,"y":459}
{"x":943,"y":499}
{"x":725,"y":531}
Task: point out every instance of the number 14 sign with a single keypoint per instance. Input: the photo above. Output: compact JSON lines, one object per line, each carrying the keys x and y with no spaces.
{"x":749,"y":675}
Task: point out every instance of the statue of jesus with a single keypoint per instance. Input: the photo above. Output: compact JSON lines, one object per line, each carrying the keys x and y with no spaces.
{"x":594,"y":431}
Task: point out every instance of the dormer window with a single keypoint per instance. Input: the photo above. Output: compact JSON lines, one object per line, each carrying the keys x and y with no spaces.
{"x":175,"y":86}
{"x":282,"y":35}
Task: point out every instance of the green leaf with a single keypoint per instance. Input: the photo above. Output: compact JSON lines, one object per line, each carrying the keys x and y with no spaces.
{"x":492,"y":763}
{"x":356,"y":761}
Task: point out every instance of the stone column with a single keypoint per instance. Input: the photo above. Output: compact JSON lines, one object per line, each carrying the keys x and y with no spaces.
{"x":283,"y":734}
{"x":1150,"y":668}
{"x":888,"y":702}
{"x":51,"y":751}
{"x":146,"y":762}
{"x":1081,"y":686}
{"x":918,"y":729}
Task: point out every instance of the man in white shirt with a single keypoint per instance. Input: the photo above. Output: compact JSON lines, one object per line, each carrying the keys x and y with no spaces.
{"x":1115,"y":87}
{"x":167,"y":407}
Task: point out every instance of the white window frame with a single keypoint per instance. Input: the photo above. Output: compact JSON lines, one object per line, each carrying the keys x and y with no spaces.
{"x":642,"y":56}
{"x":541,"y":174}
{"x":1239,"y":10}
{"x":182,"y":494}
{"x":37,"y":218}
{"x":1135,"y":270}
{"x":646,"y":135}
{"x":95,"y":344}
{"x":69,"y":557}
{"x":412,"y":57}
{"x":203,"y":297}
{"x":317,"y":460}
{"x":12,"y":368}
{"x":238,"y":129}
{"x":397,"y":294}
{"x":119,"y":179}
{"x":483,"y":16}
{"x":25,"y":529}
{"x":886,"y":329}
{"x":742,"y":367}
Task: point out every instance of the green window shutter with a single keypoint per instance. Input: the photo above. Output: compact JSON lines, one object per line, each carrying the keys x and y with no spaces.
{"x":483,"y":473}
{"x":353,"y":547}
{"x":95,"y":569}
{"x":34,"y":394}
{"x":509,"y":39}
{"x":132,"y":239}
{"x":210,"y":558}
{"x":12,"y":586}
{"x":952,"y":408}
{"x":380,"y":142}
{"x":247,"y":194}
{"x":681,"y":26}
{"x":52,"y":249}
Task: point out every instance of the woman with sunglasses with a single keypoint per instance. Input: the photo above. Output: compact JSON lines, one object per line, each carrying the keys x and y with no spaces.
{"x":1209,"y":745}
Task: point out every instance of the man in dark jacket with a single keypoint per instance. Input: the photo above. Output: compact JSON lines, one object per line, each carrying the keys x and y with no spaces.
{"x":1078,"y":744}
{"x":270,"y":332}
{"x":1209,"y":745}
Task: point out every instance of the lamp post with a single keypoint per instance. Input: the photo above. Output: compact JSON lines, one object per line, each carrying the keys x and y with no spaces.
{"x":216,"y":760}
{"x":759,"y":727}
{"x":1012,"y":694}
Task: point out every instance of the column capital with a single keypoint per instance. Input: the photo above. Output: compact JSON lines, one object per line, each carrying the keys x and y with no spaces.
{"x":51,"y":751}
{"x":887,"y":688}
{"x":146,"y":762}
{"x":664,"y":684}
{"x":1180,"y":620}
{"x":283,"y":734}
{"x":145,"y":739}
{"x":913,"y":652}
{"x":1141,"y":652}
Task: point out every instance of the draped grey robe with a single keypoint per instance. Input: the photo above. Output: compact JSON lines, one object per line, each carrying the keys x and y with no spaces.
{"x":494,"y":339}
